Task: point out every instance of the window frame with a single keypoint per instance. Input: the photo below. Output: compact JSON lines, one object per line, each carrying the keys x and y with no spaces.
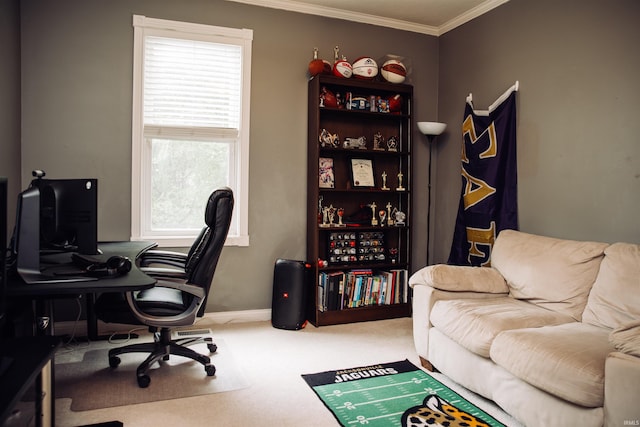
{"x":141,"y":156}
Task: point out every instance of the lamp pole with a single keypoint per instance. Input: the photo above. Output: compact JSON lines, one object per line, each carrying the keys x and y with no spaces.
{"x":430,"y":140}
{"x":430,"y":130}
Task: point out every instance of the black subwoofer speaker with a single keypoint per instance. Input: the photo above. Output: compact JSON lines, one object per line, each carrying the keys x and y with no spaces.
{"x":290,"y":289}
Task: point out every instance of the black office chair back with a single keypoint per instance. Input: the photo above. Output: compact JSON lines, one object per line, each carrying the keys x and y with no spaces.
{"x":203,"y":256}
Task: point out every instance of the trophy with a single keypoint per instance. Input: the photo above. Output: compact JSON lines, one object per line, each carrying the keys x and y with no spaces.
{"x":340,"y":215}
{"x":377,"y":142}
{"x":384,"y":181}
{"x":332,"y":213}
{"x":374,"y":221}
{"x":392,"y":144}
{"x":400,"y":187}
{"x":383,"y":215}
{"x":393,"y":252}
{"x":390,"y":221}
{"x":325,"y":217}
{"x":400,"y":217}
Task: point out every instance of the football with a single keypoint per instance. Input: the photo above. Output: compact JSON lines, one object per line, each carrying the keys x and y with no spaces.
{"x":365,"y":68}
{"x":393,"y":71}
{"x":395,"y":103}
{"x":342,"y":69}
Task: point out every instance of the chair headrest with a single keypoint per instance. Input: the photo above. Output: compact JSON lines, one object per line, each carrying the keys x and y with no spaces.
{"x":220,"y":202}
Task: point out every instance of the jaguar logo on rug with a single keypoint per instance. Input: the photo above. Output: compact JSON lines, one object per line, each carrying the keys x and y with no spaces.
{"x":436,"y":411}
{"x":396,"y":394}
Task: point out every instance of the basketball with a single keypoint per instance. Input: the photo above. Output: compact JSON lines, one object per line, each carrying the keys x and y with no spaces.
{"x":393,"y":71}
{"x":319,"y":66}
{"x":342,"y":69}
{"x":365,"y":68}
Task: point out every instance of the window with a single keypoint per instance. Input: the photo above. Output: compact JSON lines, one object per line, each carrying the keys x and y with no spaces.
{"x":190,"y":127}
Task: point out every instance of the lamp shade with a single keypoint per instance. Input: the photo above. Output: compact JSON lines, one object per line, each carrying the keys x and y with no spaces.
{"x":431,"y":128}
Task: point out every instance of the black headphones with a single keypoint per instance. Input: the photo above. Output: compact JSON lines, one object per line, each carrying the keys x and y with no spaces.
{"x":115,"y":266}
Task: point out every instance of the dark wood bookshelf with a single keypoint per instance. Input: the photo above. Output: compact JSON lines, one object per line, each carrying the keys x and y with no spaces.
{"x":396,"y":194}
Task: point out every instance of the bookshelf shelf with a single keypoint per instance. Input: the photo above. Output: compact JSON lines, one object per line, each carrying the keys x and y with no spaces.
{"x":362,"y":198}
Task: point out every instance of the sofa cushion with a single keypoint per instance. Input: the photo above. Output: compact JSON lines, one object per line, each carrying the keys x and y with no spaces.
{"x":564,"y":360}
{"x":552,"y":273}
{"x":626,"y":339}
{"x":457,"y":278}
{"x":474,"y":323}
{"x":614,"y":300}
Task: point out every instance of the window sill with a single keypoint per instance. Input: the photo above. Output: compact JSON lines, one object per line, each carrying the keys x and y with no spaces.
{"x":186,"y":242}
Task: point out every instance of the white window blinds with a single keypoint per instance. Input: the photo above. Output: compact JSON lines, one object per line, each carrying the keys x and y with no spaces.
{"x":192,"y":84}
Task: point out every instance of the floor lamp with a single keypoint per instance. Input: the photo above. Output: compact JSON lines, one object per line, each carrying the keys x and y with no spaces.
{"x":431,"y":130}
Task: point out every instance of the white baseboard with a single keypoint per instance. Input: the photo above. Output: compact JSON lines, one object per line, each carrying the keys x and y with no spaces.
{"x":219,"y":318}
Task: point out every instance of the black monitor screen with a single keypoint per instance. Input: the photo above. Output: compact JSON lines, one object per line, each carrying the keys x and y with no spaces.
{"x":68,"y":214}
{"x":3,"y":246}
{"x":54,"y":216}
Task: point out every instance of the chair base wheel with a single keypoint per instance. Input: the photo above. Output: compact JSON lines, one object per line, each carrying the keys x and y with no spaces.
{"x":210,"y":369}
{"x":212,"y":348}
{"x":144,"y":381}
{"x":114,"y":361}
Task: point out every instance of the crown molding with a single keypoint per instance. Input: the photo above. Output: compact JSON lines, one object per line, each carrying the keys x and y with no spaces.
{"x":470,"y":15}
{"x":364,"y":18}
{"x":329,"y":12}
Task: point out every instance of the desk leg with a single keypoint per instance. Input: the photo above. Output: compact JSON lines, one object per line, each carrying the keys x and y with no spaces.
{"x":47,"y":393}
{"x":44,"y":400}
{"x":43,"y":313}
{"x":92,"y":320}
{"x":92,"y":323}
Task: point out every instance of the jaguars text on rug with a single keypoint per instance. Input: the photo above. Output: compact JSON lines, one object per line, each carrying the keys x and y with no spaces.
{"x":394,"y":394}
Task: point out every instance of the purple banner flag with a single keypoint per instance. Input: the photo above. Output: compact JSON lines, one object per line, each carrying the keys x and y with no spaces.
{"x":489,"y":196}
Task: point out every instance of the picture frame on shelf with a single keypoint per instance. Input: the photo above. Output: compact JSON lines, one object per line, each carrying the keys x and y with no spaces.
{"x":325,"y":173}
{"x":362,"y":175}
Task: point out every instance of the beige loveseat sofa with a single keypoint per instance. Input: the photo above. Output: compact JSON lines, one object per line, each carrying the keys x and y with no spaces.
{"x":550,"y":332}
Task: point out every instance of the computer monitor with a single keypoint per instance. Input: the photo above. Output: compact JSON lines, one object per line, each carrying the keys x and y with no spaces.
{"x":3,"y":247}
{"x":55,"y":216}
{"x":68,"y":215}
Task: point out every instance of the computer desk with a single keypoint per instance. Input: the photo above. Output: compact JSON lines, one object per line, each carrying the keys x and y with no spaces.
{"x":132,"y":281}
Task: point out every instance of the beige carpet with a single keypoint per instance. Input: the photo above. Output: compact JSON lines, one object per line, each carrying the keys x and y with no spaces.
{"x":273,"y":361}
{"x":91,"y":384}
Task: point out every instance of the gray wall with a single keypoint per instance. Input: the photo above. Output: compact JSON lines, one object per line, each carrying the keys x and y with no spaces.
{"x":578,"y":147}
{"x":10,"y":100}
{"x":76,"y":116}
{"x":578,"y":150}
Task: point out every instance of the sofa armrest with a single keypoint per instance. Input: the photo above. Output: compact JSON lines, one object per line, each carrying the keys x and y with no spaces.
{"x":457,"y":278}
{"x":423,"y":299}
{"x":621,"y":390}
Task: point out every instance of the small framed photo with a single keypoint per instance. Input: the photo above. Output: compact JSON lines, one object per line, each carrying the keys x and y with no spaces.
{"x":362,"y":173}
{"x":326,"y":176}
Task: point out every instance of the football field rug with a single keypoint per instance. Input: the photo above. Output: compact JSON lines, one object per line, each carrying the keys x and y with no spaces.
{"x":394,"y":394}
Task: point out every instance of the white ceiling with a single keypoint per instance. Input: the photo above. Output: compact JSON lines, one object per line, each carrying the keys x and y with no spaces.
{"x":434,"y":17}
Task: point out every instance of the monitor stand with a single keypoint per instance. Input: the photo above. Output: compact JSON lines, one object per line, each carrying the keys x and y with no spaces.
{"x":28,"y":257}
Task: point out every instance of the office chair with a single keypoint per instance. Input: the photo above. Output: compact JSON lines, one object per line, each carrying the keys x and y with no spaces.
{"x":179,"y":296}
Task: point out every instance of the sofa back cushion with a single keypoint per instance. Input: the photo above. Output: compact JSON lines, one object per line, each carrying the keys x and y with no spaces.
{"x":614,"y":300}
{"x":553,"y":273}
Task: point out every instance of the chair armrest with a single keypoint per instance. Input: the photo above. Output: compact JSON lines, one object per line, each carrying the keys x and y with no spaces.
{"x":162,"y":272}
{"x":184,"y":319}
{"x":158,"y":256}
{"x":621,"y":389}
{"x":456,"y":278}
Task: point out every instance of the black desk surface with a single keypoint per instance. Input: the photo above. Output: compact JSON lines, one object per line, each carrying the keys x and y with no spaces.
{"x":28,"y":356}
{"x":134,"y":280}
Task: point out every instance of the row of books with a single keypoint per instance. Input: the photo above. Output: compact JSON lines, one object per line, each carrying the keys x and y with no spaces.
{"x":341,"y":290}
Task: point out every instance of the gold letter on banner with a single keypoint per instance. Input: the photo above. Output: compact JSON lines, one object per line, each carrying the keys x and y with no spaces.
{"x":481,"y":237}
{"x":469,"y":128}
{"x":475,"y":191}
